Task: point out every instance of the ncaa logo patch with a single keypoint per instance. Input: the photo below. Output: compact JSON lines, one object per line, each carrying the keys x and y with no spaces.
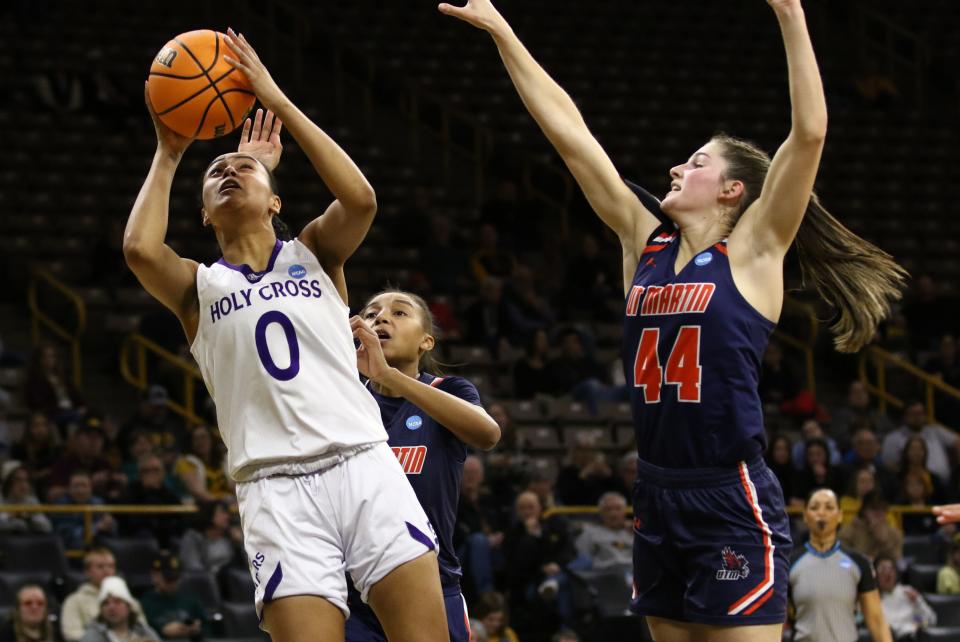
{"x":297,"y":271}
{"x":414,"y":422}
{"x":703,"y":258}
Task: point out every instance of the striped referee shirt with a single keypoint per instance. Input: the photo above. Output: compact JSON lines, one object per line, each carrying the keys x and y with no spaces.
{"x":824,"y":587}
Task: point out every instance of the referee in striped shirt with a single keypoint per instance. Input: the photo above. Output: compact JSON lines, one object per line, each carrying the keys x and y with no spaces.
{"x":828,"y":581}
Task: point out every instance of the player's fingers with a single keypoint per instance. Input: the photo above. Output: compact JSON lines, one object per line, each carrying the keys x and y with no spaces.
{"x":277,"y":126}
{"x":245,"y":133}
{"x":257,"y":124}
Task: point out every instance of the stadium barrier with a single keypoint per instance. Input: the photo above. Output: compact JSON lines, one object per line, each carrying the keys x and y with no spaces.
{"x":139,"y":347}
{"x":881,"y":359}
{"x":42,"y":281}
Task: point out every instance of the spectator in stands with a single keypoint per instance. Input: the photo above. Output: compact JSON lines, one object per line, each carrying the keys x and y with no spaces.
{"x":138,"y":445}
{"x":214,"y":542}
{"x":537,"y":551}
{"x":590,"y":282}
{"x":490,"y":258}
{"x":153,"y":417}
{"x":863,"y":480}
{"x":477,"y":536}
{"x":946,"y":366}
{"x":903,"y":606}
{"x":506,"y":466}
{"x":491,"y":611}
{"x":488,"y":320}
{"x":828,"y":580}
{"x":38,"y":451}
{"x":857,"y":409}
{"x":169,"y":610}
{"x":940,"y":441}
{"x":201,"y":469}
{"x":609,"y":544}
{"x":870,"y":532}
{"x":573,"y":366}
{"x":82,"y":607}
{"x":30,"y":618}
{"x":149,"y":490}
{"x":812,"y":429}
{"x":865,"y":451}
{"x":530,"y":374}
{"x":565,"y":635}
{"x":778,"y":383}
{"x":626,"y":473}
{"x":117,"y":620}
{"x":913,"y":460}
{"x":84,"y":452}
{"x":817,"y":471}
{"x":925,"y":313}
{"x":541,"y":481}
{"x":948,"y":577}
{"x":585,"y":476}
{"x":49,"y":390}
{"x":17,"y":489}
{"x":778,"y":461}
{"x":69,"y":526}
{"x":441,"y":260}
{"x":916,"y":494}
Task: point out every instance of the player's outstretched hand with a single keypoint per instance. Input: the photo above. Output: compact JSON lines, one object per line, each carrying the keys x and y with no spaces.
{"x":370,"y":360}
{"x":167,"y":139}
{"x":480,"y":13}
{"x":261,"y":138}
{"x":947,"y":513}
{"x":243,"y":57}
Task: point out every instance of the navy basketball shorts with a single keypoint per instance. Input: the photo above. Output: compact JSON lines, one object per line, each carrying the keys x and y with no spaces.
{"x":363,"y":626}
{"x":711,"y":545}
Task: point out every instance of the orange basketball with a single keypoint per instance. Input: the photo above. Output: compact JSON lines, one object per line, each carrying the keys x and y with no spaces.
{"x":194,"y":92}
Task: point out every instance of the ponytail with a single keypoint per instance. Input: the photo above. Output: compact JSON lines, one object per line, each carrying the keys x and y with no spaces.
{"x":852,"y":275}
{"x":280,"y":228}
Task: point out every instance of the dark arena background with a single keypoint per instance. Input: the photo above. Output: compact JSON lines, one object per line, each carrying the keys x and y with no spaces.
{"x":478,"y":214}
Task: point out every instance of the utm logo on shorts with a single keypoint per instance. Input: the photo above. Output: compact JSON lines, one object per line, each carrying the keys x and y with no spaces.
{"x":735,"y":566}
{"x":411,"y":458}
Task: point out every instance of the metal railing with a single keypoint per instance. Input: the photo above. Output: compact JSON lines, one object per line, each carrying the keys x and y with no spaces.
{"x":43,"y":320}
{"x":805,"y":346}
{"x":140,"y":348}
{"x":882,"y":359}
{"x":898,"y":50}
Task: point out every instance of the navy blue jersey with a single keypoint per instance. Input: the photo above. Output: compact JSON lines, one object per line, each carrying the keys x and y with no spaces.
{"x":432,"y":457}
{"x":691,"y":354}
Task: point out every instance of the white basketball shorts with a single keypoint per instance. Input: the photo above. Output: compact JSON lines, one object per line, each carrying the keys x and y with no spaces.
{"x":302,"y":533}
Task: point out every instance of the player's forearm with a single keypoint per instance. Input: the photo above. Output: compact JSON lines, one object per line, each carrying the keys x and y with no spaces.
{"x":471,"y":424}
{"x":548,"y":103}
{"x":147,"y":225}
{"x":807,"y":100}
{"x":336,"y":169}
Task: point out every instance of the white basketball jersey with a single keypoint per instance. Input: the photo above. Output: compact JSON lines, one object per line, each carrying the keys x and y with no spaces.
{"x":277,"y":354}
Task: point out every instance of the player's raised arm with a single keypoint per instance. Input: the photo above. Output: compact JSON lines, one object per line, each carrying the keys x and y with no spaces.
{"x":170,"y":279}
{"x":773,"y":220}
{"x":560,"y":120}
{"x":335,"y":235}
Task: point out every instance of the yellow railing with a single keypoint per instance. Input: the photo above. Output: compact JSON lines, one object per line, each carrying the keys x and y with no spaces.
{"x":139,"y":347}
{"x":805,"y":346}
{"x":896,"y":512}
{"x":881,"y":359}
{"x":41,"y":320}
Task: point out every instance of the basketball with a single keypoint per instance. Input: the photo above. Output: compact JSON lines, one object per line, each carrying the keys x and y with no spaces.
{"x":194,"y":91}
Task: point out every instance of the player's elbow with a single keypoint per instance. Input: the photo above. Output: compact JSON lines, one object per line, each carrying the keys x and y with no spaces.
{"x":134,"y":252}
{"x":811,"y":130}
{"x":363,"y":202}
{"x":490,"y":438}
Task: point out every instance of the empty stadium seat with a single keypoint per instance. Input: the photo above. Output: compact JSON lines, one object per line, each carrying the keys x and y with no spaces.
{"x":923,"y":577}
{"x":239,"y":585}
{"x":939,"y":634}
{"x":947,"y":608}
{"x":34,"y":553}
{"x":202,"y":586}
{"x":240,"y":620}
{"x":923,"y":549}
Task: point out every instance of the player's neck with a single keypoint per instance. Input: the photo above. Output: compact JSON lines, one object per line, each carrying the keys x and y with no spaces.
{"x":699,"y":235}
{"x":247,"y":247}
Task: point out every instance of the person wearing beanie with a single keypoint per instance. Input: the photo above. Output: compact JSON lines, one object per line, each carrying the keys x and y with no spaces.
{"x":117,"y":621}
{"x":171,"y":611}
{"x":83,"y":605}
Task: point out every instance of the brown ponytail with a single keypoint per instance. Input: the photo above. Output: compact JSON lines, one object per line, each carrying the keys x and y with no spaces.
{"x":854,"y":276}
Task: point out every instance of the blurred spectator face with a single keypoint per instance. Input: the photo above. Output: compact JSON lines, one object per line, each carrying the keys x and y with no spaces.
{"x":857,"y":396}
{"x":39,"y":428}
{"x":541,"y":343}
{"x":948,"y":349}
{"x":816,"y":455}
{"x":472,"y":477}
{"x":48,"y":358}
{"x":81,"y":488}
{"x":916,"y":453}
{"x":221,"y":518}
{"x":628,"y":469}
{"x":201,"y":443}
{"x":886,"y":575}
{"x":99,"y":565}
{"x":19,"y":487}
{"x":781,"y":452}
{"x":32,"y":605}
{"x":114,"y":611}
{"x":915,"y":490}
{"x":915,"y":416}
{"x":499,"y":414}
{"x":527,"y":506}
{"x":811,"y":429}
{"x":150,"y":468}
{"x":613,"y":512}
{"x":822,"y":513}
{"x":571,"y":346}
{"x":88,"y":443}
{"x":865,"y":445}
{"x":493,"y":622}
{"x":865,"y":482}
{"x":140,"y":445}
